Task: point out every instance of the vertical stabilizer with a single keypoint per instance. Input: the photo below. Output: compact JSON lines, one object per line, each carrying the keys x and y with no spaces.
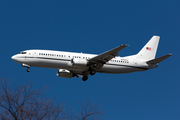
{"x":148,"y":52}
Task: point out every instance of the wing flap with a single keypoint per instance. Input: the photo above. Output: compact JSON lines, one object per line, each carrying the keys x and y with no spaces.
{"x":108,"y":55}
{"x":158,"y":60}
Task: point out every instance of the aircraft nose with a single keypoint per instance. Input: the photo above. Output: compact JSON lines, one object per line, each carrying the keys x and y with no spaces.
{"x":17,"y":58}
{"x":13,"y":57}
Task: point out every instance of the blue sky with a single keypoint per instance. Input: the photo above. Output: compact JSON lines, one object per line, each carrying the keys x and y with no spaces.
{"x":94,"y":27}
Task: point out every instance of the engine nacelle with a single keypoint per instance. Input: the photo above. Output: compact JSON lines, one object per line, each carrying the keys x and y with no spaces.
{"x":64,"y":73}
{"x":79,"y":62}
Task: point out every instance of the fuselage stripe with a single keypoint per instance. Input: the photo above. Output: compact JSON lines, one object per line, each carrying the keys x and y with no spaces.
{"x":105,"y":64}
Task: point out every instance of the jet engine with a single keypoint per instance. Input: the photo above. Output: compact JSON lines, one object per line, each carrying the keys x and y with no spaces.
{"x":64,"y":73}
{"x":79,"y":62}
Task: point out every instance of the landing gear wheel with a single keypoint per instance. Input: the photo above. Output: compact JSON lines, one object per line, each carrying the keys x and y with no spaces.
{"x":85,"y":78}
{"x":92,"y":72}
{"x":28,"y":70}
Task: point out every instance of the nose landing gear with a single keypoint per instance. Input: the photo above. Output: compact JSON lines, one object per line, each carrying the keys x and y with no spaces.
{"x":28,"y":70}
{"x":27,"y":66}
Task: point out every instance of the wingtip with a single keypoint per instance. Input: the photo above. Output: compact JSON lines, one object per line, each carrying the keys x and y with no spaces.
{"x":125,"y":45}
{"x":156,"y":36}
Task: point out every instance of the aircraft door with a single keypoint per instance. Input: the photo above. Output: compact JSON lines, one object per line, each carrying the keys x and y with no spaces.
{"x":135,"y":62}
{"x":26,"y":56}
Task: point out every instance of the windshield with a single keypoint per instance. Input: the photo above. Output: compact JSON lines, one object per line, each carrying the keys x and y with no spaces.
{"x":22,"y":53}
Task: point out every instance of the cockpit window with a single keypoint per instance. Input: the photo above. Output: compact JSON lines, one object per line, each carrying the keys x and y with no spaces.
{"x":22,"y":53}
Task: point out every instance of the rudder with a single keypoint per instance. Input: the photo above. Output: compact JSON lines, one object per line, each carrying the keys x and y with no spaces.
{"x":148,"y":52}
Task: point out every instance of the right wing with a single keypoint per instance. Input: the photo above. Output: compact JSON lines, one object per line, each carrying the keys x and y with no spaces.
{"x":108,"y":55}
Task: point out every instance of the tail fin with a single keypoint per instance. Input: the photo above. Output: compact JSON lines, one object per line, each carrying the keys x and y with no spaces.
{"x":148,"y":52}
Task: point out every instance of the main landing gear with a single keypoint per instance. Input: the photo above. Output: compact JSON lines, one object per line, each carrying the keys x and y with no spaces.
{"x":84,"y":78}
{"x":92,"y":72}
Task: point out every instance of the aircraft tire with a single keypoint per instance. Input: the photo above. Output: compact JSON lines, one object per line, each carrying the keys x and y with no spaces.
{"x":92,"y":72}
{"x":85,"y":78}
{"x":28,"y":70}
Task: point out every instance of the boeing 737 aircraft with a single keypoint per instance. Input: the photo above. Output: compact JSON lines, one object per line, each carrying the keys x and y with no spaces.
{"x":70,"y":64}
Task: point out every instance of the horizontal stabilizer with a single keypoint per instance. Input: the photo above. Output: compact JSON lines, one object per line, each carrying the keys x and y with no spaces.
{"x":158,"y":60}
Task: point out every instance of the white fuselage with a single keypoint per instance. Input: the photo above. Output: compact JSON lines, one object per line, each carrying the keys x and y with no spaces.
{"x":71,"y":64}
{"x":63,"y":60}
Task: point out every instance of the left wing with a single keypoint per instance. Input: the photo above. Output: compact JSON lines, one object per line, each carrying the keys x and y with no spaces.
{"x":108,"y":55}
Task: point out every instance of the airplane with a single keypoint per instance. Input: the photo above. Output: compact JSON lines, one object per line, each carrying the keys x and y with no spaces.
{"x":71,"y":64}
